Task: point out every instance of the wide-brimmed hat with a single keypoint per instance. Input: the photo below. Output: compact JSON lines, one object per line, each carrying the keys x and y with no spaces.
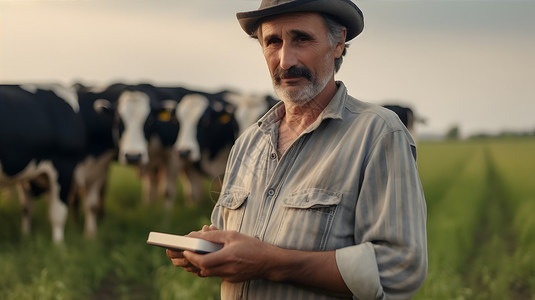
{"x":345,"y":11}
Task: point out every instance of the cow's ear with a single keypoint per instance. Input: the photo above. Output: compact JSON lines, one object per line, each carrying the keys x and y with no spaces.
{"x":229,"y":108}
{"x":169,"y":105}
{"x":103,"y":106}
{"x":217,"y":106}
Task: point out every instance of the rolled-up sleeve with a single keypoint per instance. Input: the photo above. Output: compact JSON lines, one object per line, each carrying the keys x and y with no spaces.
{"x":364,"y":283}
{"x":390,"y":258}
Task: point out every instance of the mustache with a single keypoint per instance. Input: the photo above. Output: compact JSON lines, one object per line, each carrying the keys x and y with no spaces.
{"x":292,"y":72}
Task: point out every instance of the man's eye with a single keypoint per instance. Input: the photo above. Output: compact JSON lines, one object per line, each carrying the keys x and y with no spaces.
{"x":272,"y":42}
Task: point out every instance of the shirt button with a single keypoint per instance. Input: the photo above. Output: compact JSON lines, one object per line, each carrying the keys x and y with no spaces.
{"x":271,"y":192}
{"x":273,"y":155}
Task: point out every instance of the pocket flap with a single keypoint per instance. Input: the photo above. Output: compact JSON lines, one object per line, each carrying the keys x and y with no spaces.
{"x":310,"y":198}
{"x":233,"y":198}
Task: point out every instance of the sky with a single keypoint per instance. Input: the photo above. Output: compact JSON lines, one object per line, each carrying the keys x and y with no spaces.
{"x":460,"y":63}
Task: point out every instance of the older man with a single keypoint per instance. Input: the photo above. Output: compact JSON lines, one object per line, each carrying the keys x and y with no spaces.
{"x":321,"y":198}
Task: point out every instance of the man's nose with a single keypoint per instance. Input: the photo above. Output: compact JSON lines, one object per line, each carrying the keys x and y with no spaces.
{"x":288,"y":56}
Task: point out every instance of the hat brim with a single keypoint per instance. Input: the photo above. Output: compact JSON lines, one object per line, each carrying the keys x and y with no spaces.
{"x":345,"y":11}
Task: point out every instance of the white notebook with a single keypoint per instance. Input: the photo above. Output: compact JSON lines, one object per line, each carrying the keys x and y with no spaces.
{"x":179,"y":242}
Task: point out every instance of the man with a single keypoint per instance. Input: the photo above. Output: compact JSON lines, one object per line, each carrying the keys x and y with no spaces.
{"x":321,"y":198}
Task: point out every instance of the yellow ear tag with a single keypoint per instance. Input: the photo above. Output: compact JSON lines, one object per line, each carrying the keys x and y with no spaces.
{"x":164,"y":116}
{"x":224,"y":119}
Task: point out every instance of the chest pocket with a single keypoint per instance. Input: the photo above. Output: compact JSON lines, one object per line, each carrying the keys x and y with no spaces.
{"x":307,"y":219}
{"x":233,"y":204}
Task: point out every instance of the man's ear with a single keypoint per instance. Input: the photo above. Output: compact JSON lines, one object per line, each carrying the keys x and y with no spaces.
{"x":339,"y":47}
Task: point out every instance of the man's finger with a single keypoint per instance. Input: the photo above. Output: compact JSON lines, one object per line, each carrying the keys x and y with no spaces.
{"x":174,"y":254}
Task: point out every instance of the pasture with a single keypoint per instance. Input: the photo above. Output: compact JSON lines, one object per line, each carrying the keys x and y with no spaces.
{"x":481,"y":234}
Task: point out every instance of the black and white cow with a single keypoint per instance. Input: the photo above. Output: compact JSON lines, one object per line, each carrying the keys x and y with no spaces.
{"x":65,"y":151}
{"x":145,"y":130}
{"x":209,"y":125}
{"x":41,"y":140}
{"x":91,"y":174}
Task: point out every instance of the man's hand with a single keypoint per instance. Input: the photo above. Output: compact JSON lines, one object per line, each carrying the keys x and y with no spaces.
{"x":245,"y":258}
{"x":178,"y":259}
{"x":241,"y":258}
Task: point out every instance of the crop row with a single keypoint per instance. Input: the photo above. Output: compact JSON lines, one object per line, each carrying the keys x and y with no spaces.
{"x":480,"y":224}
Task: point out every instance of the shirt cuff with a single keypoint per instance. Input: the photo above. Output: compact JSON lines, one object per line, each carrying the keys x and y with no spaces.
{"x":358,"y":267}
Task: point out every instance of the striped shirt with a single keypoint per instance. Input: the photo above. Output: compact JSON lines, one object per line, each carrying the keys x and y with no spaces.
{"x":348,"y":183}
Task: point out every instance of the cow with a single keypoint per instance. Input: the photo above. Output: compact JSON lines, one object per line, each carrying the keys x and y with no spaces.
{"x":91,"y":174}
{"x":209,"y":125}
{"x":145,"y":130}
{"x":406,"y":115}
{"x":153,"y":121}
{"x":41,"y":141}
{"x":75,"y":168}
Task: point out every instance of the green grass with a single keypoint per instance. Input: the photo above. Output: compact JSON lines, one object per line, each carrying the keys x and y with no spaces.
{"x":439,"y":165}
{"x":480,"y":228}
{"x":481,"y":234}
{"x":451,"y":228}
{"x":515,"y":161}
{"x":118,"y":264}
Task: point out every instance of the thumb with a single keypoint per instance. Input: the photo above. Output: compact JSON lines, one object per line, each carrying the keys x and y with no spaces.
{"x":209,"y":228}
{"x":214,"y":236}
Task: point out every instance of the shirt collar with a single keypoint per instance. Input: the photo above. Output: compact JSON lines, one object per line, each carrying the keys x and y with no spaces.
{"x":334,"y":109}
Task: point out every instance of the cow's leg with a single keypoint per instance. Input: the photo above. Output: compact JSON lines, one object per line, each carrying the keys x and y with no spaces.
{"x":150,"y":184}
{"x":61,"y":183}
{"x":186,"y":187}
{"x":77,"y":194}
{"x":58,"y":215}
{"x":103,"y":168}
{"x":101,"y":209}
{"x":170,"y":191}
{"x":26,"y":203}
{"x":171,"y":174}
{"x":92,"y":204}
{"x":91,"y":178}
{"x":196,"y":180}
{"x":197,"y":187}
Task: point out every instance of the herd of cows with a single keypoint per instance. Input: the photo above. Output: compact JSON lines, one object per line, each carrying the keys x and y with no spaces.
{"x":61,"y":140}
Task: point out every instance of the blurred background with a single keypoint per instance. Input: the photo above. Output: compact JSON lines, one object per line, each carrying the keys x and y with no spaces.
{"x":465,"y":67}
{"x":465,"y":64}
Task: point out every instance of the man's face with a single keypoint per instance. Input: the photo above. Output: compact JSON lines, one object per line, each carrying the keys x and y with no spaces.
{"x":298,"y":54}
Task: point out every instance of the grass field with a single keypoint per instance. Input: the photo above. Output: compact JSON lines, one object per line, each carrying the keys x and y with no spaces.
{"x":481,"y":234}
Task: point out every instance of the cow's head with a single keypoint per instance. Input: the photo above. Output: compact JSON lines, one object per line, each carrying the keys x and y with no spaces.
{"x":207,"y":123}
{"x":249,"y":107}
{"x":134,"y":125}
{"x":138,"y":114}
{"x":98,"y":106}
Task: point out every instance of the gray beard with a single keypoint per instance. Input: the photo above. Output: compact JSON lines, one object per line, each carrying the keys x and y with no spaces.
{"x":304,"y":95}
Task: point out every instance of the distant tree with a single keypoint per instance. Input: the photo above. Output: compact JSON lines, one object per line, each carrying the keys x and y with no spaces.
{"x":453,"y":133}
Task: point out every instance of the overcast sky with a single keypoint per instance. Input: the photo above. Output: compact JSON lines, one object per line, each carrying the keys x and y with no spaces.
{"x":465,"y":63}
